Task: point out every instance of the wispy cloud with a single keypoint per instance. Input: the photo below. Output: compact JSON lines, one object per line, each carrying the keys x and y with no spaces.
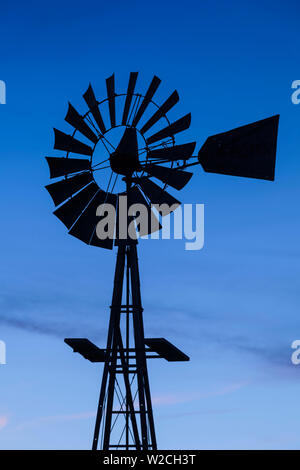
{"x":173,"y":399}
{"x":156,"y":400}
{"x":31,"y":325}
{"x":56,"y":418}
{"x":3,"y":421}
{"x":198,"y":412}
{"x":51,"y":315}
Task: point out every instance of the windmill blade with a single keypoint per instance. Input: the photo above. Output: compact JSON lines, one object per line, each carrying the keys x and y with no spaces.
{"x":130,"y":90}
{"x":77,"y":121}
{"x":134,"y":196}
{"x":173,"y":177}
{"x":108,"y":242}
{"x":90,"y":99}
{"x":162,"y":110}
{"x":70,"y":144}
{"x":61,"y":166}
{"x":178,"y":152}
{"x":177,"y":126}
{"x":110,"y":86}
{"x":65,"y":188}
{"x":148,"y":97}
{"x":85,"y":226}
{"x":158,"y":196}
{"x":248,"y":151}
{"x":70,"y":211}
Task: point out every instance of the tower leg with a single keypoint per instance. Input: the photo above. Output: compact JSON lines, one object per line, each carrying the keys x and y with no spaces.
{"x":130,"y":397}
{"x":143,"y":381}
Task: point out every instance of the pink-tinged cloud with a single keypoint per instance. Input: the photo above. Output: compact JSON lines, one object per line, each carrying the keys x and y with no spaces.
{"x":56,"y":418}
{"x":173,"y":399}
{"x":3,"y":421}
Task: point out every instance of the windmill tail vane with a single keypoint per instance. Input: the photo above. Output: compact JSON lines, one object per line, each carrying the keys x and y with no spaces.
{"x":125,"y":146}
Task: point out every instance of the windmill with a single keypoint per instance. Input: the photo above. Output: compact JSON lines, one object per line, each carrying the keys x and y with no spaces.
{"x":137,"y":143}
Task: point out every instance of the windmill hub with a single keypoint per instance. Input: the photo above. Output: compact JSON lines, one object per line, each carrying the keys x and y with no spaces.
{"x":125,"y":159}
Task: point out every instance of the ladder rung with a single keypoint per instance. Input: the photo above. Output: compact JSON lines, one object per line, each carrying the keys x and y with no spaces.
{"x":128,"y":372}
{"x":123,"y":446}
{"x":128,"y":412}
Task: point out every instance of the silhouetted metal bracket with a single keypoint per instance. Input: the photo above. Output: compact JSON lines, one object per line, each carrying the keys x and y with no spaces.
{"x":87,"y":349}
{"x":166,"y":349}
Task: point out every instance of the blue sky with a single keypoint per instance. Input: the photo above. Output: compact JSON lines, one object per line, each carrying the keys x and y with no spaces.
{"x":233,"y":307}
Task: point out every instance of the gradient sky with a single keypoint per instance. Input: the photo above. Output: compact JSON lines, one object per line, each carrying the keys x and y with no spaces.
{"x":233,"y":307}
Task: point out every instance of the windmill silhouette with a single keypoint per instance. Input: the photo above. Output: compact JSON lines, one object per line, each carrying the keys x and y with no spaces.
{"x":146,"y":149}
